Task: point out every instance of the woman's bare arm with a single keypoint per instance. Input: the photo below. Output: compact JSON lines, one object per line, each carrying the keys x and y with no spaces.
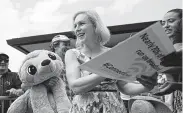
{"x":77,"y":83}
{"x":131,"y":88}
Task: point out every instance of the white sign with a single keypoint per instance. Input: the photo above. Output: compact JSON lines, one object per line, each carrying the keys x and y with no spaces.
{"x":139,"y":54}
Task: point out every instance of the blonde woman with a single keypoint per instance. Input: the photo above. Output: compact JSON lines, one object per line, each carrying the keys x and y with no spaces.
{"x":92,"y":93}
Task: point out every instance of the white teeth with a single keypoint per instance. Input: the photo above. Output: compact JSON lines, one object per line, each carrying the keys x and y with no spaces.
{"x":80,"y":34}
{"x":168,"y":31}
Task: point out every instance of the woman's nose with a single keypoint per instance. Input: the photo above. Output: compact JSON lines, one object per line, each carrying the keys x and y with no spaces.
{"x":166,"y":25}
{"x":78,"y":28}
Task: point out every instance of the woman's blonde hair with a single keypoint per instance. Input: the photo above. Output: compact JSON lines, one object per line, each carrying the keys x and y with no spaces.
{"x":100,"y":29}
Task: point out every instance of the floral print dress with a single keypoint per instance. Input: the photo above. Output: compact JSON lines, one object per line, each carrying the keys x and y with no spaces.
{"x":104,"y":98}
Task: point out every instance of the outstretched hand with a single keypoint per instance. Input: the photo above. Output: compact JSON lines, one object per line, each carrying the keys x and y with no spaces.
{"x":148,"y":81}
{"x":170,"y":85}
{"x":168,"y":88}
{"x":173,"y":60}
{"x":14,"y":92}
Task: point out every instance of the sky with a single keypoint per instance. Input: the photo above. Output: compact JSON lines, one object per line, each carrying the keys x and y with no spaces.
{"x":20,"y":18}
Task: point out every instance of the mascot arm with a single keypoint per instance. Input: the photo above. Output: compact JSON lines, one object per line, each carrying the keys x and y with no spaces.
{"x":39,"y":99}
{"x":59,"y":93}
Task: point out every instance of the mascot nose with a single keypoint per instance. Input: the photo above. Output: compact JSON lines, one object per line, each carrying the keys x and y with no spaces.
{"x":45,"y":62}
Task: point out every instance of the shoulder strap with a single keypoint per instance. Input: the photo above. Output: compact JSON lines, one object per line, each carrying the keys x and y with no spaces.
{"x":81,"y":56}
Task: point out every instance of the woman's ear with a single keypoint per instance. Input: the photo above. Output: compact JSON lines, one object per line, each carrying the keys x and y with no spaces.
{"x":178,"y":32}
{"x":180,"y":25}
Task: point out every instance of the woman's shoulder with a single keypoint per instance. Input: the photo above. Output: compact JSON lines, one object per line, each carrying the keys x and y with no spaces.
{"x":72,"y":51}
{"x":70,"y":54}
{"x":76,"y":52}
{"x":81,"y":57}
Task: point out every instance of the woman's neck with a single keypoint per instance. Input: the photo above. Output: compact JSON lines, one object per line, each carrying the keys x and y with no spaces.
{"x":92,"y":50}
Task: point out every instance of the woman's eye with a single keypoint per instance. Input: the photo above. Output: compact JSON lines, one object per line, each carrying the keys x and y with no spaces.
{"x":53,"y":57}
{"x":32,"y":70}
{"x":162,"y":23}
{"x":82,"y":24}
{"x":171,"y":20}
{"x":66,"y":44}
{"x":75,"y":26}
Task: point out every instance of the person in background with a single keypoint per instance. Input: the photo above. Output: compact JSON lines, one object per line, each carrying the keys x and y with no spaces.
{"x":10,"y":84}
{"x":59,"y":45}
{"x":172,"y":23}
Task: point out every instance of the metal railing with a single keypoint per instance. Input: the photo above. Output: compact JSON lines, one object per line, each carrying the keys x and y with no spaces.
{"x":6,"y":98}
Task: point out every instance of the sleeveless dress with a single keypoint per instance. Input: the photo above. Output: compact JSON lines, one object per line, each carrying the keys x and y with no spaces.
{"x":104,"y":98}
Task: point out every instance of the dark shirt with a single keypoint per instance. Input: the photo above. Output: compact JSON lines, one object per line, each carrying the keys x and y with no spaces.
{"x":7,"y":81}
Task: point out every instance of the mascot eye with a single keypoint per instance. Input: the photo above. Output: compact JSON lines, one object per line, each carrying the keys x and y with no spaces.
{"x":32,"y":70}
{"x":53,"y":57}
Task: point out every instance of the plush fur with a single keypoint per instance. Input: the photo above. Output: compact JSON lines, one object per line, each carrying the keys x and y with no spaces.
{"x":39,"y":66}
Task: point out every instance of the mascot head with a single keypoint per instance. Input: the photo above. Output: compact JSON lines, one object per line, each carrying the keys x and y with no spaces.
{"x":39,"y":66}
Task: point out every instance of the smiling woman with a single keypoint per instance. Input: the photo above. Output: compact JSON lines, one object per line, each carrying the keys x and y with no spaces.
{"x":172,"y":22}
{"x":92,"y":25}
{"x":92,"y":93}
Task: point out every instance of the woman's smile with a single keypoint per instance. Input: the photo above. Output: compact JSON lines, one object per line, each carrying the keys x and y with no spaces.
{"x":80,"y":35}
{"x":168,"y":31}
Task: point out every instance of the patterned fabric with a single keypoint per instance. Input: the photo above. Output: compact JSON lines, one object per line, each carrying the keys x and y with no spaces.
{"x":177,"y":101}
{"x":69,"y":92}
{"x":104,"y":98}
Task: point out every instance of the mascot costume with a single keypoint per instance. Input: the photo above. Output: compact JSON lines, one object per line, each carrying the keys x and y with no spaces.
{"x":38,"y":67}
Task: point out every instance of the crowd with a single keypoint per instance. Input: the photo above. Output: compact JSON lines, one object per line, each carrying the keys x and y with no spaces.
{"x":92,"y":93}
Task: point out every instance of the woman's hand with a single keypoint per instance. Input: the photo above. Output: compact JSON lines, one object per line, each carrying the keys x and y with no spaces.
{"x":148,"y":81}
{"x":169,"y":86}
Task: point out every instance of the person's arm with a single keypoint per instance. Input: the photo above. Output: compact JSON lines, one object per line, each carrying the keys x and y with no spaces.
{"x":173,"y":83}
{"x":174,"y":74}
{"x":16,"y":90}
{"x":146,"y":84}
{"x":131,"y":88}
{"x":77,"y":83}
